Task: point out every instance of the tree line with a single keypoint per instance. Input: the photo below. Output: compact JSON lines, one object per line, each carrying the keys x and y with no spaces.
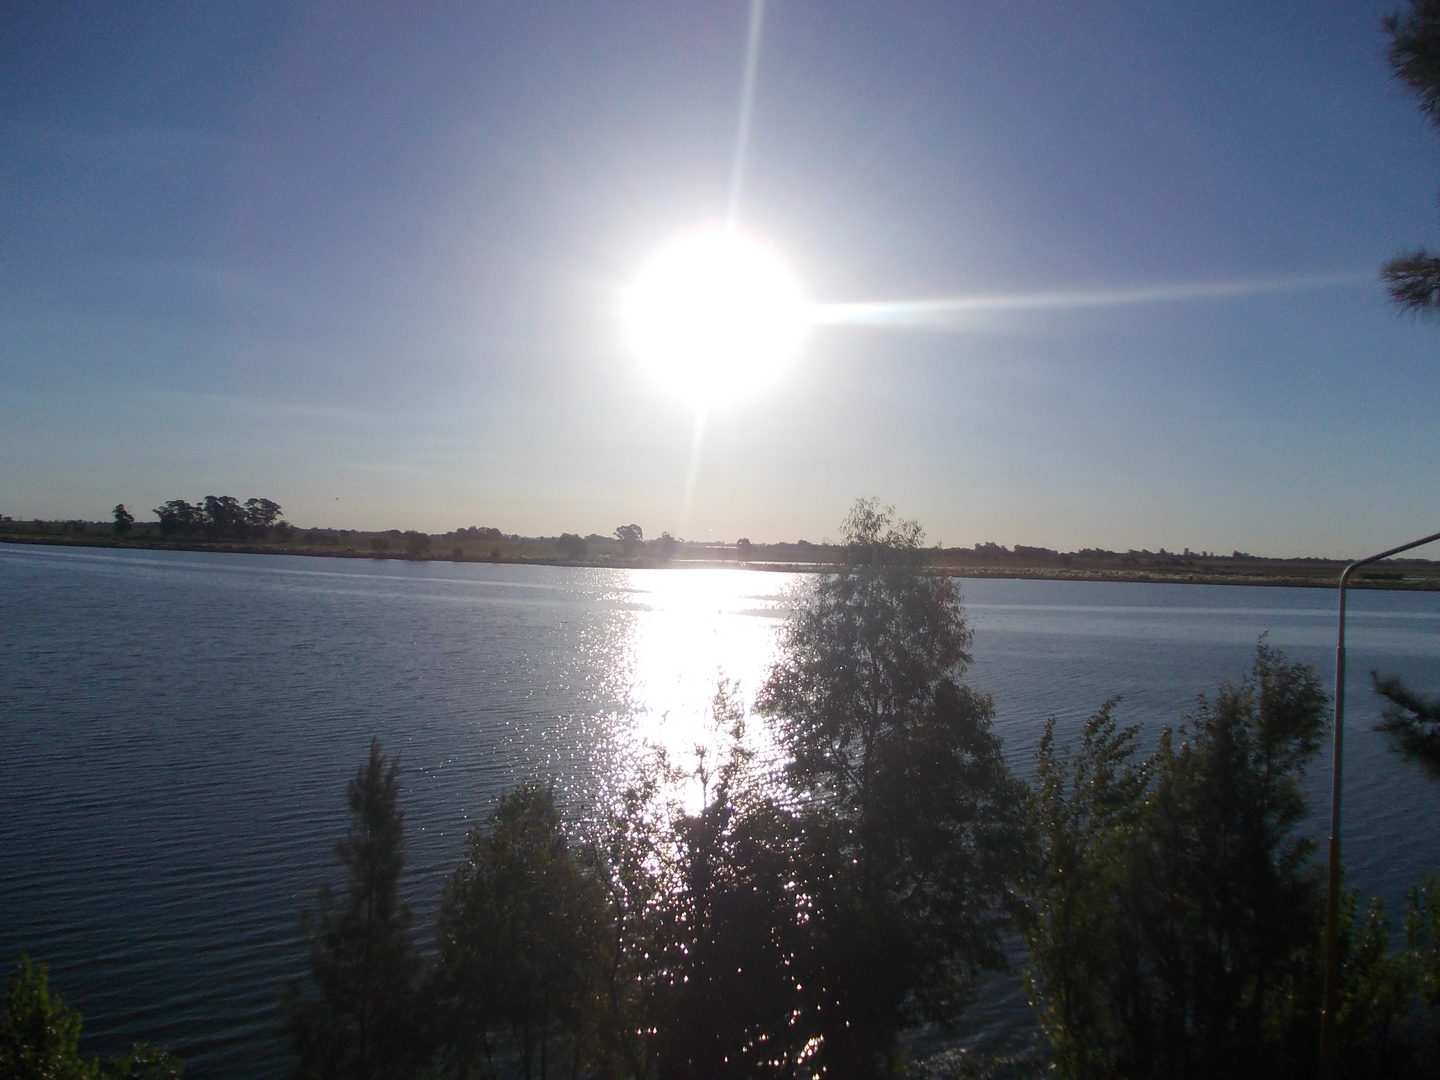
{"x":214,"y":516}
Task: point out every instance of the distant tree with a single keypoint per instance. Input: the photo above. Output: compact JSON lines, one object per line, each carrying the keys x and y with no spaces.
{"x":1414,"y":279}
{"x":913,"y":823}
{"x":522,"y":938}
{"x":666,"y":546}
{"x":260,"y":514}
{"x":742,"y":548}
{"x":379,"y":544}
{"x":224,"y":516}
{"x":572,"y":546}
{"x":1412,"y":721}
{"x":416,"y":543}
{"x":359,"y":1016}
{"x":178,"y":517}
{"x":124,"y":520}
{"x":629,"y":536}
{"x":40,"y":1038}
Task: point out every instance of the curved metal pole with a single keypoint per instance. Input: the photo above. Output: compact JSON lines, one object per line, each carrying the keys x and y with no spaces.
{"x":1332,"y":891}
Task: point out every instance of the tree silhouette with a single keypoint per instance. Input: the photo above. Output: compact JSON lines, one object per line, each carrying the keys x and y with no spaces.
{"x":225,"y":516}
{"x":912,"y":822}
{"x":522,"y":945}
{"x":629,"y":536}
{"x":178,"y":516}
{"x":1414,"y":279}
{"x":1176,"y":915}
{"x":360,"y":1020}
{"x":1412,"y":721}
{"x":261,"y":513}
{"x":124,"y":520}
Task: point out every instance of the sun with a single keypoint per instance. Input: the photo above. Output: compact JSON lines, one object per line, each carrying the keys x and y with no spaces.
{"x":715,"y":315}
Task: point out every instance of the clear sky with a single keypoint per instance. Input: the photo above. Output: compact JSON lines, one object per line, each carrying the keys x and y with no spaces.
{"x":367,"y":261}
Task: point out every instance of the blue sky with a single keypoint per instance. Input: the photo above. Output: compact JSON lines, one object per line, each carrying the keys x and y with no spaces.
{"x":366,"y":260}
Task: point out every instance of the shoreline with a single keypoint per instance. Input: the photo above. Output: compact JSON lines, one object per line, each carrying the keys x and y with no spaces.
{"x":1254,"y":572}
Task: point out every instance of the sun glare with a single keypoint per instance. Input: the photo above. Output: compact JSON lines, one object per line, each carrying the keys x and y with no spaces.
{"x":715,"y":315}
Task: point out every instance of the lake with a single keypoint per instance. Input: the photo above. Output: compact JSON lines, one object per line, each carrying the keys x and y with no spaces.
{"x":177,"y":729}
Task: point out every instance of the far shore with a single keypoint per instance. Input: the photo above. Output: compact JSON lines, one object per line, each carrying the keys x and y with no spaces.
{"x":983,"y":561}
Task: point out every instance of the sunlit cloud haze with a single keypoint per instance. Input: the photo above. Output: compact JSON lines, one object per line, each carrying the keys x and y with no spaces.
{"x":1100,"y":274}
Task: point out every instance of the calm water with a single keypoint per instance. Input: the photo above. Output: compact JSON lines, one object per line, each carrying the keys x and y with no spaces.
{"x":177,"y":730}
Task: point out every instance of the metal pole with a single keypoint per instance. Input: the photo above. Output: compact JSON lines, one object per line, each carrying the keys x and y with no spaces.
{"x":1332,"y":891}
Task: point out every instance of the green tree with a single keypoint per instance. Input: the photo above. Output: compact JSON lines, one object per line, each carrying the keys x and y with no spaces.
{"x":1412,"y":721}
{"x":40,"y":1038}
{"x":912,"y":824}
{"x":1414,"y":279}
{"x":124,"y":520}
{"x":1176,"y":913}
{"x":522,"y":940}
{"x":416,"y":543}
{"x":359,"y":1019}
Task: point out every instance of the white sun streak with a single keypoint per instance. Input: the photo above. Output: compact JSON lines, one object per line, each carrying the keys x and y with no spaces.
{"x":747,"y":105}
{"x":950,"y":313}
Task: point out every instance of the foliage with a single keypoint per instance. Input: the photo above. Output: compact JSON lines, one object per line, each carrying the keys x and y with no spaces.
{"x":124,"y":520}
{"x":178,"y":517}
{"x":217,"y":516}
{"x":522,"y":945}
{"x":40,"y":1038}
{"x":712,"y":929}
{"x":361,"y":1020}
{"x":224,"y":516}
{"x":911,"y":822}
{"x":630,"y":536}
{"x":1414,"y":279}
{"x":1176,"y":915}
{"x":572,"y":546}
{"x":479,"y":532}
{"x":261,"y":513}
{"x":1413,"y":722}
{"x":742,"y":548}
{"x":416,"y":543}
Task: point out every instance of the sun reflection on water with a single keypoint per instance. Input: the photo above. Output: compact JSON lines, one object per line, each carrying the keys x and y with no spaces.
{"x":692,"y":630}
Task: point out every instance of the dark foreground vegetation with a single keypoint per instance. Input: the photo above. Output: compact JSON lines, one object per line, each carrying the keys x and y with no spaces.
{"x":40,"y":1039}
{"x":802,"y":918}
{"x":805,"y":915}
